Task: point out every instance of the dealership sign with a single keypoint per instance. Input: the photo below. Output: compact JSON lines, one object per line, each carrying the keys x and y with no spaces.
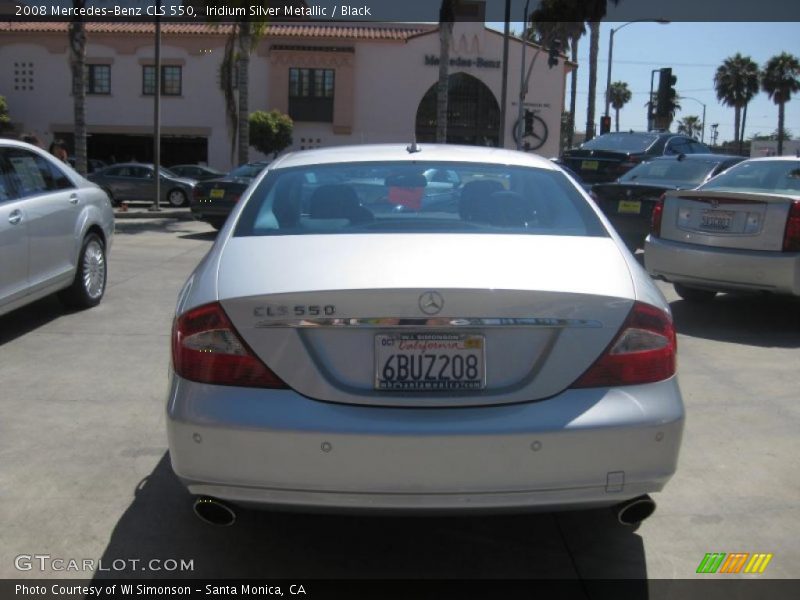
{"x":432,"y":60}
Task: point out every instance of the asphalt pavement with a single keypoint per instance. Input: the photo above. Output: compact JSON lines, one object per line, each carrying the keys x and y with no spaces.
{"x":84,"y":469}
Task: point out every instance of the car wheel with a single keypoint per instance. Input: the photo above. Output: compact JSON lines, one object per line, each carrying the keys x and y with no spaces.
{"x":89,"y":285}
{"x":176,"y":198}
{"x":217,"y":223}
{"x":110,"y":196}
{"x":691,"y":294}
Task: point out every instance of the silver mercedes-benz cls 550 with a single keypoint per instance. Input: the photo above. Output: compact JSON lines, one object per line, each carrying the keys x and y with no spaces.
{"x":346,"y":344}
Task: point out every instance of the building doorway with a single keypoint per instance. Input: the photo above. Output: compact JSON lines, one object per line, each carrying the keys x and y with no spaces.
{"x":473,"y":114}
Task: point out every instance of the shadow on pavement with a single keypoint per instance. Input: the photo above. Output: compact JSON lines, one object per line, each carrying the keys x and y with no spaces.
{"x":751,"y":319}
{"x":205,"y":236}
{"x":134,"y":226}
{"x":265,"y":544}
{"x":30,"y":317}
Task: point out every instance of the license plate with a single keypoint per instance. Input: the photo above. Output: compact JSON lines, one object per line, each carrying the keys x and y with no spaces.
{"x":429,"y":362}
{"x":716,"y":220}
{"x":590,"y":165}
{"x":629,"y":207}
{"x":217,"y":193}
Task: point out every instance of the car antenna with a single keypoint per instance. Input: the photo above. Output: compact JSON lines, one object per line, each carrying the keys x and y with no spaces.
{"x":412,"y":148}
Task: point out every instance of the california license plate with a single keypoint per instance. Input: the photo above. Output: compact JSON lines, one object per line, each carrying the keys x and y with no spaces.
{"x":716,"y":220}
{"x":590,"y":165}
{"x":217,"y":193}
{"x":629,"y":207}
{"x":429,"y":362}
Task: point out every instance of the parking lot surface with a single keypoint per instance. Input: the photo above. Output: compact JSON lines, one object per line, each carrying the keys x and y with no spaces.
{"x":85,"y":474}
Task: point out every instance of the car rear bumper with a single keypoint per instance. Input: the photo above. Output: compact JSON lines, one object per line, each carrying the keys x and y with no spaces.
{"x":275,"y":447}
{"x":723,"y":269}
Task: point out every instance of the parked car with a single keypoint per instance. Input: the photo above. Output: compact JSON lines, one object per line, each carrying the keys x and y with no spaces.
{"x":628,"y":203}
{"x":198,"y":172}
{"x":608,"y":156}
{"x":56,"y":230}
{"x":568,"y":170}
{"x":739,"y":231}
{"x":213,"y":200}
{"x":135,"y":181}
{"x":92,"y":164}
{"x":507,"y":354}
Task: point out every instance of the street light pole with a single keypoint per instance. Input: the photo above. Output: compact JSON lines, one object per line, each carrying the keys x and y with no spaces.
{"x":703,"y":128}
{"x":156,"y":206}
{"x":611,"y":54}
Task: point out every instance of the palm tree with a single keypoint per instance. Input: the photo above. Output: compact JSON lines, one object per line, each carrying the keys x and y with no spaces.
{"x":620,"y":95}
{"x":77,"y":63}
{"x":780,"y":81}
{"x":736,"y":83}
{"x":690,"y":125}
{"x":573,"y":91}
{"x":242,"y":39}
{"x":594,"y":11}
{"x":562,"y":20}
{"x":446,"y":18}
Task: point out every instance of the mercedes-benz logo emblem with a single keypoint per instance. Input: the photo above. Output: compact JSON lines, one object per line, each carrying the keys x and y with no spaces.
{"x":431,"y":303}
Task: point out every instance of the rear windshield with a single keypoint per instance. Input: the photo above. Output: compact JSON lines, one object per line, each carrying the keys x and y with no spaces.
{"x":683,"y":171}
{"x":248,"y":171}
{"x":772,"y":176}
{"x":419,"y":197}
{"x":621,"y":142}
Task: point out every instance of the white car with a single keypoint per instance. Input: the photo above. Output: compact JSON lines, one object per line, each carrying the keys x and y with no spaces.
{"x":505,"y":352}
{"x":56,"y":230}
{"x":739,"y":231}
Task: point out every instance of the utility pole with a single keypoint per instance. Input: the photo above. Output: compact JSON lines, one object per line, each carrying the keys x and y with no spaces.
{"x":156,"y":207}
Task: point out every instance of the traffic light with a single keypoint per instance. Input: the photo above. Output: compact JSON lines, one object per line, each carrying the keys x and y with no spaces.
{"x":605,"y":124}
{"x":667,"y":96}
{"x":528,"y":122}
{"x":553,"y":52}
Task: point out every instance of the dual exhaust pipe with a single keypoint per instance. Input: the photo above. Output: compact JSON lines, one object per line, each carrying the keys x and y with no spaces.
{"x":216,"y":512}
{"x":634,"y":511}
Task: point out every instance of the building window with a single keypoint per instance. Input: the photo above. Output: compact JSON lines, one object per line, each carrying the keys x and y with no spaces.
{"x":170,"y":80}
{"x":98,"y":79}
{"x":311,"y":94}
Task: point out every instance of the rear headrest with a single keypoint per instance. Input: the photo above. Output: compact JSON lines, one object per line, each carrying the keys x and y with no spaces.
{"x":337,"y":201}
{"x":472,"y":205}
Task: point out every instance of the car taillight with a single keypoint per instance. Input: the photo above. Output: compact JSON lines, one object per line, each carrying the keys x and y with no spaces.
{"x":235,"y":198}
{"x":655,"y":217}
{"x":643,"y":351}
{"x":206,"y":348}
{"x":196,"y":193}
{"x":791,"y":237}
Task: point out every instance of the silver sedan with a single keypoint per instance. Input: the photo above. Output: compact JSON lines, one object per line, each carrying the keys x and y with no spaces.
{"x":56,"y":230}
{"x":505,"y":352}
{"x":739,"y":231}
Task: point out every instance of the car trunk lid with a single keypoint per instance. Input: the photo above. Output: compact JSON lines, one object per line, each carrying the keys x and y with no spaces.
{"x":534,"y":323}
{"x":737,"y":220}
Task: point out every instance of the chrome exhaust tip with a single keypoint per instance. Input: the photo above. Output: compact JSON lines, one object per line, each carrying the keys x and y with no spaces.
{"x":634,"y":511}
{"x":214,"y":512}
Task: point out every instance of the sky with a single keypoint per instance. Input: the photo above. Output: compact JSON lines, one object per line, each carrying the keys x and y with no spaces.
{"x":693,"y":51}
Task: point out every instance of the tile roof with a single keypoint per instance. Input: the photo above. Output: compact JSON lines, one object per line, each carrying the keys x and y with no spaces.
{"x":350,"y":31}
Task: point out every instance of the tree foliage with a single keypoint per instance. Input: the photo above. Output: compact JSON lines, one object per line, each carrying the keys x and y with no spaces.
{"x":736,"y":83}
{"x":690,"y":125}
{"x":5,"y":119}
{"x":270,"y":132}
{"x":619,"y":95}
{"x":780,"y":79}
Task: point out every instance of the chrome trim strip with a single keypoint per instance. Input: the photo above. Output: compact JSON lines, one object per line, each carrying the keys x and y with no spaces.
{"x":435,"y":322}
